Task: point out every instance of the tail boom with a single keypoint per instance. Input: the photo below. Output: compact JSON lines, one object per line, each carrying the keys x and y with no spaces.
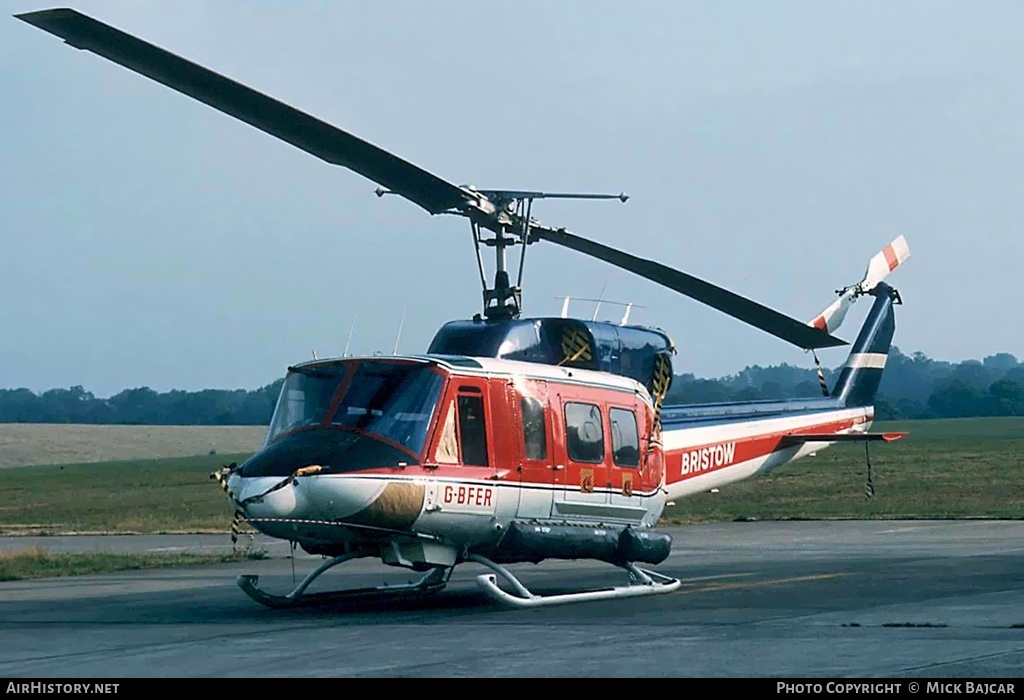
{"x":700,"y":458}
{"x":709,"y":446}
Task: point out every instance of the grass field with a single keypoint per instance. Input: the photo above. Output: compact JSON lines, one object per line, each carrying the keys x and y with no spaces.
{"x":944,"y":469}
{"x":134,"y":496}
{"x":957,"y":468}
{"x":33,"y":443}
{"x":36,"y":562}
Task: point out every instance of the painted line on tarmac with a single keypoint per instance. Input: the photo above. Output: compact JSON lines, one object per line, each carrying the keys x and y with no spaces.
{"x":759,"y":584}
{"x":714,"y":578}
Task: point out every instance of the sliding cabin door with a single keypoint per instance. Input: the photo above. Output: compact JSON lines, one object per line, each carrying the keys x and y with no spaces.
{"x":581,"y":457}
{"x":602,"y":449}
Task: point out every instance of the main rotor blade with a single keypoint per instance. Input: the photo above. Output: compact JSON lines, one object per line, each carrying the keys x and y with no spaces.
{"x":768,"y":320}
{"x":265,"y":113}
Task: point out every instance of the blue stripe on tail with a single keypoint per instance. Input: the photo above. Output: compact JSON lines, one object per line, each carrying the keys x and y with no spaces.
{"x":859,"y":379}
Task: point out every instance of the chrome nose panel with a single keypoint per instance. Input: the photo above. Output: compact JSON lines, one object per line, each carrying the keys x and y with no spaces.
{"x":260,"y":499}
{"x":338,"y":497}
{"x":313,"y":497}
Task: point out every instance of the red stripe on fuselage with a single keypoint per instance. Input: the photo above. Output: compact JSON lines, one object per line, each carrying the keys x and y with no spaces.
{"x":450,"y":471}
{"x":686,"y":463}
{"x":742,"y":449}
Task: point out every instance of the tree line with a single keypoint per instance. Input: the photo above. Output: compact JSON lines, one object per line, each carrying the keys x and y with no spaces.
{"x":913,"y":386}
{"x":141,"y":406}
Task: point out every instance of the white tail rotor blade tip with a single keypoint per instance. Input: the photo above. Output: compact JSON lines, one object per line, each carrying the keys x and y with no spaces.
{"x":891,"y":257}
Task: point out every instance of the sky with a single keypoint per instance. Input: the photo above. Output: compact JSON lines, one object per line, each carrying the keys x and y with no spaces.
{"x":771,"y":148}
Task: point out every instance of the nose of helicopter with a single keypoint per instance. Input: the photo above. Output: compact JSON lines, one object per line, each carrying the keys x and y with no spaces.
{"x":309,"y":497}
{"x":268,"y":497}
{"x":323,"y":476}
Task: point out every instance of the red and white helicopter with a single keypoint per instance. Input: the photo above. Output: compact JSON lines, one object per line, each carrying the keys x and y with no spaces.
{"x":511,"y":439}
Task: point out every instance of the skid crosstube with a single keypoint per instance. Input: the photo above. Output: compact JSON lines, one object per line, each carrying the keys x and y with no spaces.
{"x":433,"y":581}
{"x":642,"y":583}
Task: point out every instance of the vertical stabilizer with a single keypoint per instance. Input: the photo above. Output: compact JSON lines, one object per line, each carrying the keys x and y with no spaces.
{"x":860,"y":376}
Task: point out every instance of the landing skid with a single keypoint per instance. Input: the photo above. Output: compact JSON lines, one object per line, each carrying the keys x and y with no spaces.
{"x":641,"y":583}
{"x":433,"y":581}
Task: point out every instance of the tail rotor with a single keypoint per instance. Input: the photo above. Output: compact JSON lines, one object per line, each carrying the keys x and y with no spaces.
{"x":887,"y":260}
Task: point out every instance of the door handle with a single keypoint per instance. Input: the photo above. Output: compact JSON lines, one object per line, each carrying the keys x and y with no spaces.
{"x":558,"y":467}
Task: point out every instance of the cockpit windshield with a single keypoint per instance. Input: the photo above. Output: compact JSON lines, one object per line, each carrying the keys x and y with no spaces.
{"x":393,"y":401}
{"x":304,"y":399}
{"x":388,"y":400}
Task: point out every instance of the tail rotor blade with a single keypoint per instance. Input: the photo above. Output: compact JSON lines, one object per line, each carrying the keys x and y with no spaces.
{"x":771,"y":321}
{"x":890,"y":257}
{"x":831,"y":318}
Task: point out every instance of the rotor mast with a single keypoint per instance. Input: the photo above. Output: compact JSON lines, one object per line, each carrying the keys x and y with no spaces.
{"x":511,"y":226}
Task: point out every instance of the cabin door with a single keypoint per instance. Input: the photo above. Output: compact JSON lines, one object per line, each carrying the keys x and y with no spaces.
{"x":628,"y":482}
{"x":582,"y":458}
{"x":531,"y":428}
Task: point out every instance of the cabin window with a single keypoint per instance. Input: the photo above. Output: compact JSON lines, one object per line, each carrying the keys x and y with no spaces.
{"x":472,"y":431}
{"x":625,"y":439}
{"x":534,"y":434}
{"x":448,"y":447}
{"x":583,"y":432}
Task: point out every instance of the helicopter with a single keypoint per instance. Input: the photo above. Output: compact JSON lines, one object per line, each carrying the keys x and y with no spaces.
{"x":511,"y":439}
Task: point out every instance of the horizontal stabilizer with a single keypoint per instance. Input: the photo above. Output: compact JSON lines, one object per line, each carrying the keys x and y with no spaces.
{"x":841,"y":437}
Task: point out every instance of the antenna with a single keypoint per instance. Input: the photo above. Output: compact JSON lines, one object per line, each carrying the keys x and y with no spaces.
{"x":314,"y":353}
{"x":400,"y":323}
{"x":599,"y":298}
{"x":625,"y":317}
{"x":350,"y":329}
